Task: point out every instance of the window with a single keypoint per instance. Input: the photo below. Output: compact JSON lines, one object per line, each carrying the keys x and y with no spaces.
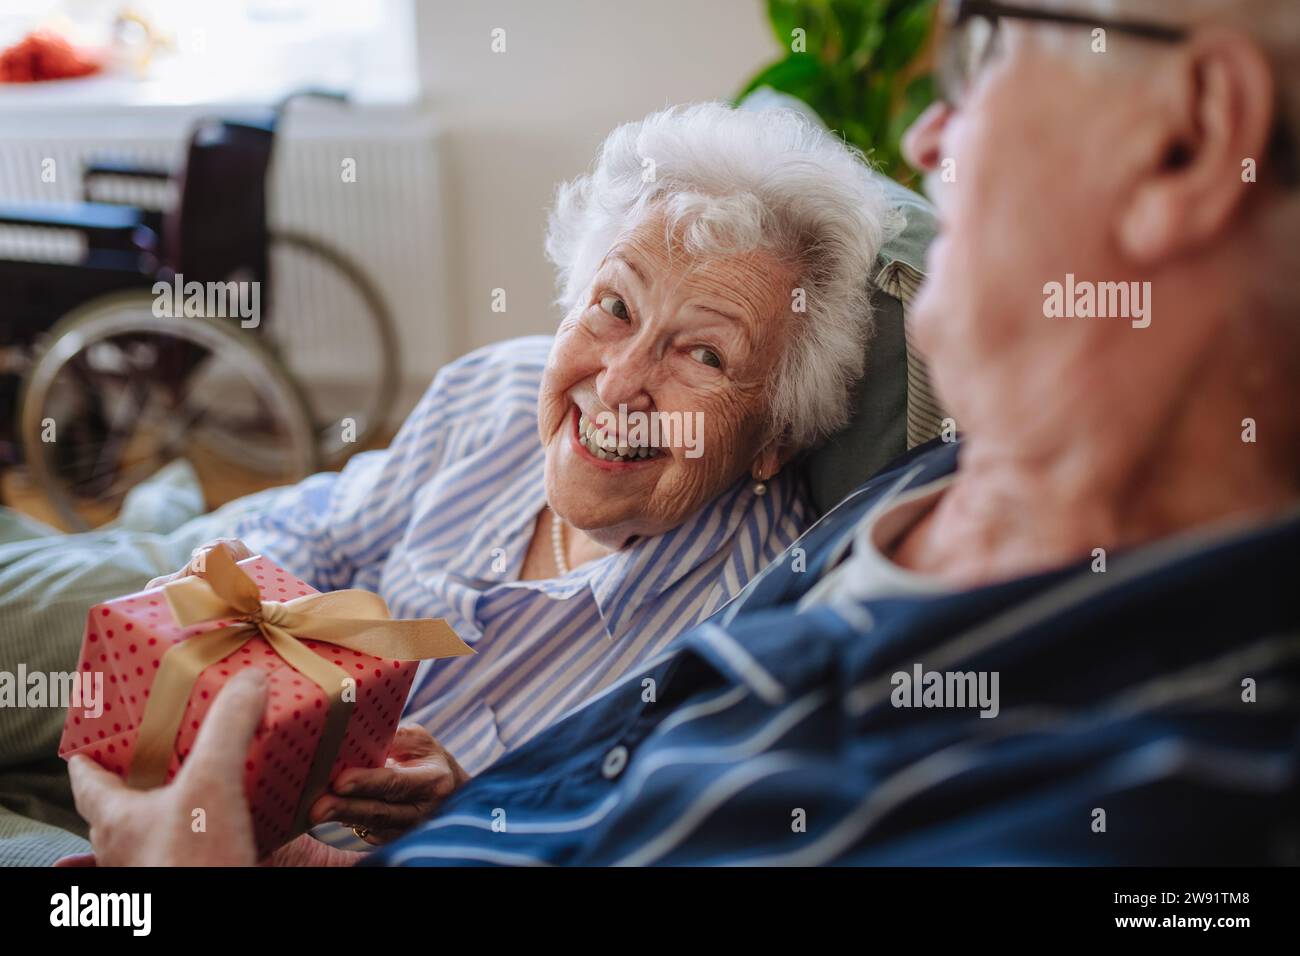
{"x":225,"y":51}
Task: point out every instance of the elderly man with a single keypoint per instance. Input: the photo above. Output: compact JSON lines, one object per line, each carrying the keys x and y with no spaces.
{"x":1069,"y":638}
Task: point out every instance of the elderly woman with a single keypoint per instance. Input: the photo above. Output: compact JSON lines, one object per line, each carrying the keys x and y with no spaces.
{"x":712,"y":269}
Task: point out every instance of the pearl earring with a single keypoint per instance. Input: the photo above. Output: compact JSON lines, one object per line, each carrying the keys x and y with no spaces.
{"x":760,"y":487}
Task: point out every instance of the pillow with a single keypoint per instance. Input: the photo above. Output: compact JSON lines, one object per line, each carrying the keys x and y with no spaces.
{"x":877,"y":432}
{"x":894,"y":407}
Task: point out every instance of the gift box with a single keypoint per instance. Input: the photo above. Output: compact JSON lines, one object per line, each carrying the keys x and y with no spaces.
{"x":339,"y":670}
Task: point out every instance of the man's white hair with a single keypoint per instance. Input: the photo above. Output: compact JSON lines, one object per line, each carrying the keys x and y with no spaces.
{"x":1273,"y":23}
{"x":729,"y":181}
{"x":1275,"y":26}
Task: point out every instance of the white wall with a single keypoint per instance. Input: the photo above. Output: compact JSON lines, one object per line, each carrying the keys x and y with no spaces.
{"x":516,"y":123}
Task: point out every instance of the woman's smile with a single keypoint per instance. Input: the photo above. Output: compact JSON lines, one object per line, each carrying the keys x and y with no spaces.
{"x":589,"y":444}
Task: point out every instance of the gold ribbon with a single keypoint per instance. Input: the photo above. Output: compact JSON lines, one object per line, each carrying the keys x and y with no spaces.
{"x":357,"y":620}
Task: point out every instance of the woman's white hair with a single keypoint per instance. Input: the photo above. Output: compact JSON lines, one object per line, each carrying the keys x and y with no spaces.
{"x":728,"y":181}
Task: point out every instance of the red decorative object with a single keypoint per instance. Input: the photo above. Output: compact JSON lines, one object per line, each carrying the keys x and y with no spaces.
{"x":45,"y":56}
{"x":126,"y":638}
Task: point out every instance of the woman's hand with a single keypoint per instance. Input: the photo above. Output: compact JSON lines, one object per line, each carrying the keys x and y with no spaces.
{"x":198,"y":560}
{"x":387,"y":801}
{"x":306,"y":850}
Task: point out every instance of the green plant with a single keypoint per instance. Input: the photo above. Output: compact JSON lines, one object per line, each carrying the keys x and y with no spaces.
{"x":862,"y":65}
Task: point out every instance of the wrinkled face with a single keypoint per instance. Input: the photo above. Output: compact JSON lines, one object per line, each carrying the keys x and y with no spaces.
{"x":671,"y":338}
{"x":1027,"y":177}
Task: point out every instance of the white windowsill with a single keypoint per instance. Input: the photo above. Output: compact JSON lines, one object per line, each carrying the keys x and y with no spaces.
{"x":233,"y":70}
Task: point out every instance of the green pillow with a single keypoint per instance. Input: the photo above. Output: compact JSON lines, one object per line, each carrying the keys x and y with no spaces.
{"x":894,"y":407}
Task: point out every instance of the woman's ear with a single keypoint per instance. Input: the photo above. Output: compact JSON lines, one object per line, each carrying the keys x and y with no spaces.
{"x":771,"y":459}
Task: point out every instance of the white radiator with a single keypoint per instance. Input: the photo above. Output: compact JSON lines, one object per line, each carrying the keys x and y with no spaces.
{"x":389,"y":222}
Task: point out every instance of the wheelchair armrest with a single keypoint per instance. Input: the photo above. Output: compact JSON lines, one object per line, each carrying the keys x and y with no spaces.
{"x":123,"y":167}
{"x":102,"y":223}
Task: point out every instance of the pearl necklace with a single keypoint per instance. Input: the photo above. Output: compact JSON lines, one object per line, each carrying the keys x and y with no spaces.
{"x":557,"y":542}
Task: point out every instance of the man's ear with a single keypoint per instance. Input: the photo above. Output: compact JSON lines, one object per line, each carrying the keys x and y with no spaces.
{"x":1225,"y":100}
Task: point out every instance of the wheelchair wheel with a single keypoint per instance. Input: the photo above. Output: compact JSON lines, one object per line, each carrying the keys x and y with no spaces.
{"x":116,"y":392}
{"x":339,"y":341}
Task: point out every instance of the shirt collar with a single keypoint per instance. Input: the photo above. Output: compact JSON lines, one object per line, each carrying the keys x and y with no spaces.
{"x":775,"y":663}
{"x":648,"y":568}
{"x":628,"y":579}
{"x":779,"y":656}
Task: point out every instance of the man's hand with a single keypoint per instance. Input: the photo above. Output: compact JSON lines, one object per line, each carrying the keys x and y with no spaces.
{"x":198,"y":560}
{"x":418,"y":775}
{"x":161,"y":827}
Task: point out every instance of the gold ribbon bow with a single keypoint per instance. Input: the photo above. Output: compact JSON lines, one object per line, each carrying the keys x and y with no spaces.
{"x":357,"y":620}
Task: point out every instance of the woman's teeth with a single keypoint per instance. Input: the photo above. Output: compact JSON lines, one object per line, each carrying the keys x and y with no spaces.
{"x":606,"y":450}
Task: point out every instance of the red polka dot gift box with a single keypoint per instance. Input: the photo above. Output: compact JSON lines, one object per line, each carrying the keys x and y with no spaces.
{"x":338,"y":668}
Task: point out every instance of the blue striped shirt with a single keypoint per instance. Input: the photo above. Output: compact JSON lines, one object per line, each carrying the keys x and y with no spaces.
{"x":438,"y":524}
{"x":1148,"y":715}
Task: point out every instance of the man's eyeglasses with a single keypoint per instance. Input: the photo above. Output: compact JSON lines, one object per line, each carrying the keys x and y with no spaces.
{"x":970,"y":32}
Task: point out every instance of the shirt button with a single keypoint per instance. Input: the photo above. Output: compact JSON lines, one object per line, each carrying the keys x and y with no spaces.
{"x":614,"y":762}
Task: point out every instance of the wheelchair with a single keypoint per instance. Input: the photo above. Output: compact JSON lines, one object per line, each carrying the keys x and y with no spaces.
{"x":99,"y":387}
